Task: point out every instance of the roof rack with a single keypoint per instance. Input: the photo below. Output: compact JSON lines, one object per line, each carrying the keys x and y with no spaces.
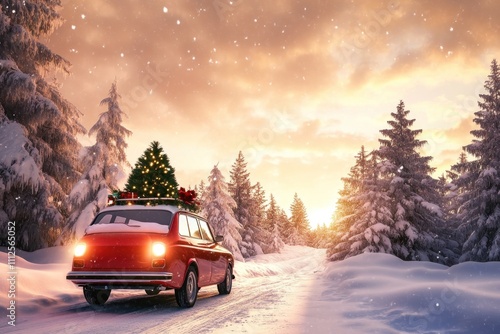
{"x":138,"y":199}
{"x":186,"y":200}
{"x":142,"y":201}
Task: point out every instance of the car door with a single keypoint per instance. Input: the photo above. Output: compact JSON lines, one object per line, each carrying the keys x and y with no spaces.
{"x":202,"y":251}
{"x":218,"y":261}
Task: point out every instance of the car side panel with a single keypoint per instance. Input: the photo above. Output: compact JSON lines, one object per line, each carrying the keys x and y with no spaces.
{"x":192,"y":250}
{"x":219,"y":266}
{"x":202,"y":255}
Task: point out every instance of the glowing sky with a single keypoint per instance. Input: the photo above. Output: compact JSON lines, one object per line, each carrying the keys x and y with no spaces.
{"x":297,"y":85}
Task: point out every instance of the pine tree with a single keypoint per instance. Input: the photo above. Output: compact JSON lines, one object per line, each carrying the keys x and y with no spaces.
{"x":217,"y":205}
{"x":277,"y":243}
{"x":241,"y":190}
{"x":200,"y":189}
{"x":39,"y":128}
{"x":103,"y":164}
{"x":368,"y":227}
{"x":453,"y":194}
{"x":480,"y":202}
{"x":110,"y":139}
{"x":285,"y":225}
{"x":153,"y":176}
{"x":272,"y":214}
{"x":347,"y":208}
{"x":300,"y":222}
{"x":258,"y":208}
{"x":418,"y":222}
{"x":271,"y":226}
{"x":258,"y":213}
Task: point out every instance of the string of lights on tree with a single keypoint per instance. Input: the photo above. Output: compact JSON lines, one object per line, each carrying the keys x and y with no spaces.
{"x":153,"y":176}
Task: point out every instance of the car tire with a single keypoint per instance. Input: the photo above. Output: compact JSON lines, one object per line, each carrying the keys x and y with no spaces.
{"x":187,"y":294}
{"x":152,"y":292}
{"x":96,"y":296}
{"x":226,"y":286}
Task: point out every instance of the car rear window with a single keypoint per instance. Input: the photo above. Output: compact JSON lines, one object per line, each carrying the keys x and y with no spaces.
{"x":162,"y":217}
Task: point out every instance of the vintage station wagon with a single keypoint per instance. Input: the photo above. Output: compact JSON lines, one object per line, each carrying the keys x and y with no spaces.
{"x":153,"y":248}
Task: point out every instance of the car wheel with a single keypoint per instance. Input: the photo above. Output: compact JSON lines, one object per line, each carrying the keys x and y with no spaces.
{"x":96,"y":296}
{"x":226,"y":286}
{"x":153,"y":292}
{"x":187,"y":294}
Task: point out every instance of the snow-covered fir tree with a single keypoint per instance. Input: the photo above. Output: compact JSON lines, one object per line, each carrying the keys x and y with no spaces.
{"x":103,"y":163}
{"x":452,"y":196}
{"x":347,"y":204}
{"x":479,"y":211}
{"x":200,"y":189}
{"x":271,"y":216}
{"x":299,"y":221}
{"x":271,"y":225}
{"x":418,"y":231}
{"x":258,"y":212}
{"x":110,"y":137}
{"x":368,"y":226}
{"x":285,"y":225}
{"x":258,"y":205}
{"x":217,"y":206}
{"x":39,"y":128}
{"x":241,"y":190}
{"x":277,"y":243}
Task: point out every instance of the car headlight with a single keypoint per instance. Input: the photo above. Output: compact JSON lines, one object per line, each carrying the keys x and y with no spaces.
{"x":159,"y":249}
{"x":80,"y":249}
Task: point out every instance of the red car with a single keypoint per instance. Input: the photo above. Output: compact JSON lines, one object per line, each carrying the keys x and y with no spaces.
{"x":153,"y":248}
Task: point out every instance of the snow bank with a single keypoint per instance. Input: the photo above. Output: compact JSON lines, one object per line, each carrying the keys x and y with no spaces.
{"x":415,"y":297}
{"x":40,"y":281}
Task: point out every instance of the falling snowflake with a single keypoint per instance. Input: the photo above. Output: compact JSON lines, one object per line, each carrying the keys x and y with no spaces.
{"x":165,"y":9}
{"x":73,"y":27}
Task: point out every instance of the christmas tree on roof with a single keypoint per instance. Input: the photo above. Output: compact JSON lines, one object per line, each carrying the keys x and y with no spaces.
{"x":153,"y":176}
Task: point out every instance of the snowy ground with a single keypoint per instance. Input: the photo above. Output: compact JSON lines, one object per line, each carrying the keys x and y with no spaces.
{"x":292,"y":292}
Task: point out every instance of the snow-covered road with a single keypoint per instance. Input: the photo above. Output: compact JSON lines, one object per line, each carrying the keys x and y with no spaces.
{"x":270,"y":293}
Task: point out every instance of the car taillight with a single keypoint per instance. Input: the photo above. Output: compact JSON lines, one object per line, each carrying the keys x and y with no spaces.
{"x":158,"y":249}
{"x":80,"y":249}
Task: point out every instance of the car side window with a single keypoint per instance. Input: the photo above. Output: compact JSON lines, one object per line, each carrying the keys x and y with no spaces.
{"x":193,"y":227}
{"x":205,"y":231}
{"x":183,"y":226}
